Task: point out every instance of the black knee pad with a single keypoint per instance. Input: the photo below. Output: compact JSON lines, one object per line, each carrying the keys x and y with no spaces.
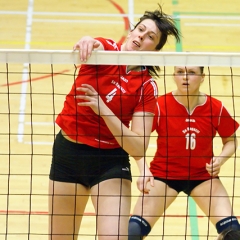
{"x":228,"y":223}
{"x":138,"y":227}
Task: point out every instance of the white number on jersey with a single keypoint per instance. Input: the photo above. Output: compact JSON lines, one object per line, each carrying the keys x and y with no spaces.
{"x":190,"y":141}
{"x":110,"y":96}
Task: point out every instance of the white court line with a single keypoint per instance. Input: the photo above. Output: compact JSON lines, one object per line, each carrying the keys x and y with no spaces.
{"x":25,"y":76}
{"x":39,"y":143}
{"x":213,"y":24}
{"x":208,"y":17}
{"x":131,"y":15}
{"x":40,"y":123}
{"x":76,"y":21}
{"x":64,"y":14}
{"x":131,"y":12}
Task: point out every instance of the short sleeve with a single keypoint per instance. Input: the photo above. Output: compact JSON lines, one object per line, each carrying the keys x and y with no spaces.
{"x":148,"y":98}
{"x":227,"y":124}
{"x":109,"y":44}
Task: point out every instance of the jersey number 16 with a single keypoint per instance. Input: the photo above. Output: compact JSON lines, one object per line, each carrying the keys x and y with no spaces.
{"x":190,"y":141}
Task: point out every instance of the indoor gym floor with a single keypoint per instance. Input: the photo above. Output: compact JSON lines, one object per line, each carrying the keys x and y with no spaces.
{"x":206,"y":26}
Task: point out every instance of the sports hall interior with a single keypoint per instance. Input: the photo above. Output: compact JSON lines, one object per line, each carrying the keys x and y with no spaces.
{"x":27,"y":122}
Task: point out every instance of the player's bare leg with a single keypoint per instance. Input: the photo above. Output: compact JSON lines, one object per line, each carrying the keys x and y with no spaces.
{"x":155,"y":203}
{"x":213,"y":200}
{"x":112,"y":211}
{"x":67,"y":202}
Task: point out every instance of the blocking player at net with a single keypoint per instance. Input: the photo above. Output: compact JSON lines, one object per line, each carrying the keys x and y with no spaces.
{"x":186,"y":121}
{"x":91,"y":152}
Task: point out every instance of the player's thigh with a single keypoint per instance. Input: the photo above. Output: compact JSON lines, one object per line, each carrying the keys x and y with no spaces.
{"x":151,"y":206}
{"x":114,"y":190}
{"x":69,"y":193}
{"x":212,"y":198}
{"x":67,"y":202}
{"x":112,"y":201}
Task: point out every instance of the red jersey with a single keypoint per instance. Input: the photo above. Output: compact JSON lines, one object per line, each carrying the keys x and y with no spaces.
{"x":124,"y":92}
{"x":185,"y":141}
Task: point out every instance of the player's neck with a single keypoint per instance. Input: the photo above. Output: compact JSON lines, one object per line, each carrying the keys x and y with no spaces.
{"x":190,"y":101}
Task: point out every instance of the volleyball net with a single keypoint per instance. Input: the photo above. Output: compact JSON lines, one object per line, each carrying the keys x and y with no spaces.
{"x":33,"y":86}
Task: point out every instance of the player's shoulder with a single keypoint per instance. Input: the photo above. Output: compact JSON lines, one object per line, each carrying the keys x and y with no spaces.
{"x":165,"y":97}
{"x":109,"y":44}
{"x":214,"y":101}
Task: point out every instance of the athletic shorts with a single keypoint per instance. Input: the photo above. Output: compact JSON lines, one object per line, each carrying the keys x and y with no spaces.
{"x":86,"y":165}
{"x":185,"y":186}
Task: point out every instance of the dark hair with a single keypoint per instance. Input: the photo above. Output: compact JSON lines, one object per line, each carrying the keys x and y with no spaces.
{"x":231,"y":234}
{"x":166,"y":26}
{"x":201,"y":69}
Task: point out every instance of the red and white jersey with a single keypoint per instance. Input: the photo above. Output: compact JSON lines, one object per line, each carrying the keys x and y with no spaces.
{"x":124,"y":92}
{"x":185,"y":141}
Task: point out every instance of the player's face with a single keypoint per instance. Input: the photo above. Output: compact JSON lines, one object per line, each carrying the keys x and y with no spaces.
{"x":145,"y":37}
{"x":188,"y":79}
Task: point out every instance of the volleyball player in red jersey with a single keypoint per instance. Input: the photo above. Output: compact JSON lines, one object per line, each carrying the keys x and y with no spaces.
{"x":186,"y":121}
{"x":91,"y":152}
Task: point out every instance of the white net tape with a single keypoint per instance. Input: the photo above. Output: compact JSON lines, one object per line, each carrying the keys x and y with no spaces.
{"x":123,"y":58}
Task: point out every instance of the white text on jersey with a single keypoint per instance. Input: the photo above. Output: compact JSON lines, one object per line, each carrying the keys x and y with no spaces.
{"x":190,"y":129}
{"x":118,"y":86}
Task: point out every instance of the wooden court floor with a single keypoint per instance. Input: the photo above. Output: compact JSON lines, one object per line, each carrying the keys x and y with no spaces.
{"x":212,"y":25}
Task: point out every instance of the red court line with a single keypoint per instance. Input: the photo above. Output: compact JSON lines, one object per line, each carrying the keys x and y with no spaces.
{"x":122,"y":39}
{"x":35,"y":79}
{"x":17,"y":212}
{"x":126,"y":22}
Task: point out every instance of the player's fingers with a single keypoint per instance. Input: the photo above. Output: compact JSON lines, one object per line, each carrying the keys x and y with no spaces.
{"x":215,"y":173}
{"x":76,"y":46}
{"x":209,"y":166}
{"x":96,"y":44}
{"x":146,"y":189}
{"x":83,"y":52}
{"x":87,"y":89}
{"x":145,"y":186}
{"x":210,"y":169}
{"x":87,"y":47}
{"x":82,"y":46}
{"x":152,"y":181}
{"x":140,"y":186}
{"x":90,"y":87}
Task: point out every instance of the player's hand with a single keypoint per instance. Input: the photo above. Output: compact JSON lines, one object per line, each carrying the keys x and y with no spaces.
{"x":214,"y":166}
{"x":91,"y":98}
{"x":85,"y":46}
{"x":143,"y":181}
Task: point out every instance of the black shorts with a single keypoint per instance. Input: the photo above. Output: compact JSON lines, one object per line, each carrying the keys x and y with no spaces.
{"x":86,"y":165}
{"x":185,"y":186}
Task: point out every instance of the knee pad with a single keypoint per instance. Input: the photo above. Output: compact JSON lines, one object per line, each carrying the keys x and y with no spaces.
{"x":227,"y":223}
{"x":138,"y":226}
